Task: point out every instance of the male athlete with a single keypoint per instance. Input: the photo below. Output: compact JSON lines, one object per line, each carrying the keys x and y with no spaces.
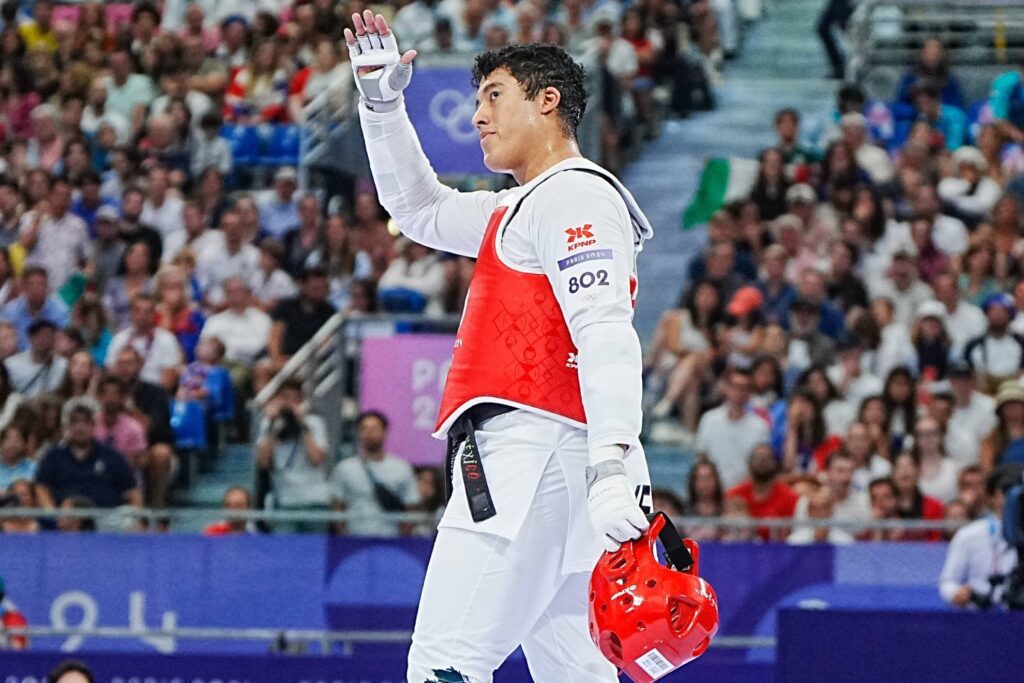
{"x":542,"y":402}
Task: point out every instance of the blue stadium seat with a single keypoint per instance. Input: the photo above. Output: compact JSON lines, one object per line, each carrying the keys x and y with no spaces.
{"x":282,"y":147}
{"x":401,"y":300}
{"x":246,"y":145}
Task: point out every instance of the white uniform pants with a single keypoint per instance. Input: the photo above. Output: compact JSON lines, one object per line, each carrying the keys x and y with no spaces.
{"x":488,"y":591}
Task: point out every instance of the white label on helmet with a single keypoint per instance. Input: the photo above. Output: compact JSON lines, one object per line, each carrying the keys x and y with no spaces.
{"x":655,"y":664}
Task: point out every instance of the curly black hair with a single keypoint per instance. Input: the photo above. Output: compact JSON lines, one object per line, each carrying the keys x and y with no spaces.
{"x":536,"y":67}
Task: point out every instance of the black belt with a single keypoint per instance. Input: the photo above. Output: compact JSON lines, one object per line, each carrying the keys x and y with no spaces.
{"x":481,"y":505}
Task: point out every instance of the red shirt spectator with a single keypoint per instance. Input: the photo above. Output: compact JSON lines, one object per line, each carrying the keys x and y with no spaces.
{"x":911,"y":503}
{"x":10,"y":618}
{"x":765,"y":495}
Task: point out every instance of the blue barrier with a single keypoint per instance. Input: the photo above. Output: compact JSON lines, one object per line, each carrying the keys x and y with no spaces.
{"x":909,"y":646}
{"x":315,"y":582}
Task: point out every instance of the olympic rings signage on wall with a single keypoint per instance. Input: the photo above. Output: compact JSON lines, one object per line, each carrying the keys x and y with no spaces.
{"x":441,"y":102}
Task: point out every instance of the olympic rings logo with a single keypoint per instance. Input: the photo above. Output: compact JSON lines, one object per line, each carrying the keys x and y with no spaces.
{"x":452,"y":111}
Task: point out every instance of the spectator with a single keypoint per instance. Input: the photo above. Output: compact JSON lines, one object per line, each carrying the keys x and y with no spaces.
{"x":884,"y":507}
{"x":777,"y":291}
{"x":974,"y":413}
{"x":373,"y":482}
{"x":89,"y":318}
{"x":292,"y":447}
{"x":259,"y":90}
{"x":727,"y":434}
{"x":804,"y":445}
{"x":81,"y":377}
{"x":16,"y":463}
{"x":949,"y":121}
{"x":11,"y":618}
{"x":931,"y":342}
{"x":998,"y":355}
{"x":818,"y":505}
{"x":82,"y":466}
{"x":136,"y":278}
{"x":787,"y":128}
{"x":977,"y":281}
{"x":327,"y":78}
{"x":76,"y":524}
{"x":1007,"y":103}
{"x":150,"y":400}
{"x":910,"y":501}
{"x":416,"y":270}
{"x":107,"y":249}
{"x":931,"y":67}
{"x":970,"y":193}
{"x":221,"y":260}
{"x":938,"y":478}
{"x":769,"y":192}
{"x":296,"y":320}
{"x":158,"y":348}
{"x":116,"y":428}
{"x":243,"y":328}
{"x":341,"y":259}
{"x":209,"y":149}
{"x":416,"y":21}
{"x":1006,"y":442}
{"x":176,"y":311}
{"x":46,"y":146}
{"x":705,"y":498}
{"x":193,"y":234}
{"x":962,"y":448}
{"x":807,"y":345}
{"x":128,"y":93}
{"x":764,"y":492}
{"x":834,"y":17}
{"x":430,"y":487}
{"x":134,"y":230}
{"x":10,"y":212}
{"x":963,"y":321}
{"x":903,"y":289}
{"x":71,"y":672}
{"x":163,"y":209}
{"x":978,"y":552}
{"x":869,"y":157}
{"x":868,"y":465}
{"x":845,"y":289}
{"x":308,"y":239}
{"x":279,"y":215}
{"x":37,"y":370}
{"x":270,"y":284}
{"x":53,"y":237}
{"x":236,"y":499}
{"x":970,"y":490}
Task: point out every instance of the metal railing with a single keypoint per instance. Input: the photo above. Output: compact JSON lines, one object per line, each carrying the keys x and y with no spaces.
{"x":324,"y":639}
{"x":982,"y":38}
{"x":430,"y":519}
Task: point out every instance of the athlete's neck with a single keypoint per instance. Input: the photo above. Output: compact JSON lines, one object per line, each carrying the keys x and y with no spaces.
{"x":553,"y":152}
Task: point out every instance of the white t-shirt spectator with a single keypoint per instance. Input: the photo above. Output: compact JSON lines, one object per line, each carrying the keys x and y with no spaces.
{"x":353,"y":486}
{"x":999,"y":356}
{"x":216,"y":264}
{"x":949,"y":235}
{"x":122,"y":100}
{"x":274,"y":287}
{"x":728,"y":443}
{"x":905,"y":301}
{"x":244,"y":336}
{"x":977,"y":418}
{"x":166,"y":218}
{"x":875,"y":162}
{"x":940,"y":484}
{"x":964,"y":324}
{"x":30,"y":378}
{"x":877,"y":467}
{"x":424,"y":275}
{"x":976,"y":201}
{"x":178,"y":240}
{"x":159,"y":350}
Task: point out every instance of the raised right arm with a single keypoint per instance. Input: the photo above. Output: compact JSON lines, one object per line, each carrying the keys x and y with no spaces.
{"x":425,"y":210}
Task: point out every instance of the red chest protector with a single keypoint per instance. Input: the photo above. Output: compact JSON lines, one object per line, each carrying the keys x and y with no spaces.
{"x":513,"y":346}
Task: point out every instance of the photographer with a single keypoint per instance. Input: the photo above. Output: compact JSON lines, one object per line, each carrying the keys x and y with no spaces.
{"x":979,"y":559}
{"x":292,"y":445}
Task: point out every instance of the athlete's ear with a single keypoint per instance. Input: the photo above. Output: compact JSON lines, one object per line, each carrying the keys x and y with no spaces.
{"x":549,"y":100}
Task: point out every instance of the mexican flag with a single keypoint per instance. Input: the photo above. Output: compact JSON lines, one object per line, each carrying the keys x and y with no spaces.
{"x":722,"y":181}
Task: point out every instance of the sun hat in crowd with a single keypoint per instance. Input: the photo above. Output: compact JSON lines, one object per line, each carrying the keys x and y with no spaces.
{"x":931,"y":309}
{"x":1009,"y":392}
{"x":801,"y":193}
{"x":999,"y":299}
{"x":970,"y":156}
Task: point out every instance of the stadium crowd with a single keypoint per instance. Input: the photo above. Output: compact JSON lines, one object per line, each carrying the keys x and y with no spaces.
{"x":849,"y":344}
{"x":159,"y":262}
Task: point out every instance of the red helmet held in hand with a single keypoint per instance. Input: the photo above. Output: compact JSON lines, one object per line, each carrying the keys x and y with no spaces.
{"x":646,"y":618}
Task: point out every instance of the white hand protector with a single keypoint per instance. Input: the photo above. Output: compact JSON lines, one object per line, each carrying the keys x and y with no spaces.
{"x":380,"y":76}
{"x":614,"y":511}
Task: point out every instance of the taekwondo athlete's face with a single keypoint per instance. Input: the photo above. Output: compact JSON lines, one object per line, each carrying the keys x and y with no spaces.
{"x":506,"y":121}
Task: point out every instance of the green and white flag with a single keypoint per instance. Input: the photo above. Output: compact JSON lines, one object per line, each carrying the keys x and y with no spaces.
{"x":722,"y":181}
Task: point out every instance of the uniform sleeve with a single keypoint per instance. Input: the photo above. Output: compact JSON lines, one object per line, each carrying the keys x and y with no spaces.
{"x":954,"y":569}
{"x":583,"y":235}
{"x":427,"y":211}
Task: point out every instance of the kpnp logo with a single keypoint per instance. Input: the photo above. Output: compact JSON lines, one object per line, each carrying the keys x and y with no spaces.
{"x":573,"y":362}
{"x":580,"y":237}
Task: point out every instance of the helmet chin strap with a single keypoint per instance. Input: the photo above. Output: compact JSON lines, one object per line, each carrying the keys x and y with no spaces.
{"x":676,"y":552}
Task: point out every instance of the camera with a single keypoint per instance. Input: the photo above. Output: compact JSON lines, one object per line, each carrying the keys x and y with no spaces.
{"x":287,"y":425}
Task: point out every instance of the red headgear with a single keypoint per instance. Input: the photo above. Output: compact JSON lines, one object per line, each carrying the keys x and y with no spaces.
{"x":646,"y":618}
